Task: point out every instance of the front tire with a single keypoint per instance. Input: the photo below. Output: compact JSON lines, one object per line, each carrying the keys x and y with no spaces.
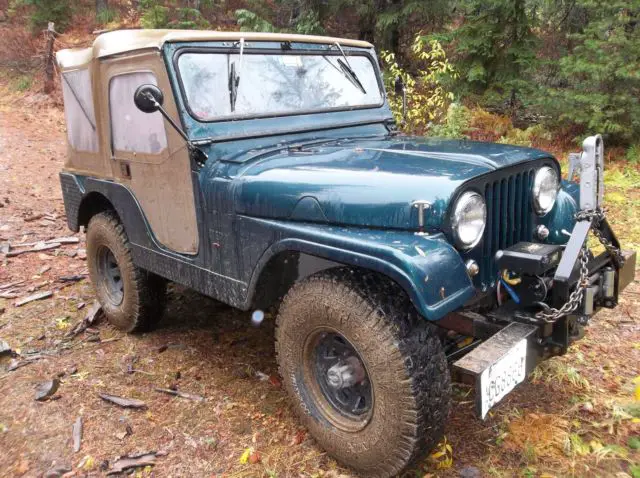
{"x":132,"y":299}
{"x":401,"y":387}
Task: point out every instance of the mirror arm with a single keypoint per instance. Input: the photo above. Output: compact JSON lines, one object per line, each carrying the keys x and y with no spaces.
{"x":195,"y":153}
{"x":173,"y":123}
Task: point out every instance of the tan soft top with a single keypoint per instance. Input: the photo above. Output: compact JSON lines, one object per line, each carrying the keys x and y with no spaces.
{"x":122,"y":41}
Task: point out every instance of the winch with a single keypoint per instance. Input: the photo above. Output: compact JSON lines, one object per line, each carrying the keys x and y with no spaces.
{"x":567,"y":279}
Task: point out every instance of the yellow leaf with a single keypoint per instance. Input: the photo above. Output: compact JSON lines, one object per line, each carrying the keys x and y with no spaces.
{"x":87,"y":463}
{"x":595,"y":445}
{"x":244,"y":458}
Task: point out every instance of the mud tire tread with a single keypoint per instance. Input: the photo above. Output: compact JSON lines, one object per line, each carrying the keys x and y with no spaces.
{"x":145,"y":293}
{"x":414,"y":356}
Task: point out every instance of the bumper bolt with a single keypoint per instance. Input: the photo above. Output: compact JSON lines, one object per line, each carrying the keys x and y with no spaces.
{"x":472,"y":267}
{"x":542,"y":232}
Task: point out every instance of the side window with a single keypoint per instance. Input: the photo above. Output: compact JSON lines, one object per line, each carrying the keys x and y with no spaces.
{"x":131,"y":129}
{"x":78,"y":110}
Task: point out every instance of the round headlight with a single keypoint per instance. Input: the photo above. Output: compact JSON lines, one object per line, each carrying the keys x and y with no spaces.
{"x":469,"y":219}
{"x":545,"y":189}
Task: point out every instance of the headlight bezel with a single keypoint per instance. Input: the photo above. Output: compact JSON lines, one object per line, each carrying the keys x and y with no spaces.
{"x":539,"y":208}
{"x":461,"y":201}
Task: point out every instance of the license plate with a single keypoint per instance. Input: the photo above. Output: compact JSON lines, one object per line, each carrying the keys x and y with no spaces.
{"x":502,"y":377}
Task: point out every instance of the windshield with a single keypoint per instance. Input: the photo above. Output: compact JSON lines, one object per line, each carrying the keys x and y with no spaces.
{"x":221,"y":86}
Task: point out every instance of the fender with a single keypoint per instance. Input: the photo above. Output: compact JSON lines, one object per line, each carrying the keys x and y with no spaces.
{"x":75,"y":190}
{"x":428,"y":268}
{"x":562,"y":216}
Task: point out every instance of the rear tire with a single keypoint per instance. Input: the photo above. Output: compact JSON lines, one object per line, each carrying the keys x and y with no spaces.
{"x":132,"y":299}
{"x":405,"y":367}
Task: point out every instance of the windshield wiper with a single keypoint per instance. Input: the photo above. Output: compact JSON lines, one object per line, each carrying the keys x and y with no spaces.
{"x":347,"y":71}
{"x":234,"y":79}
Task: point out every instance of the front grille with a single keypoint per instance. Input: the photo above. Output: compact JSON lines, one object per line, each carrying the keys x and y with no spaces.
{"x":510,"y":214}
{"x":509,"y":218}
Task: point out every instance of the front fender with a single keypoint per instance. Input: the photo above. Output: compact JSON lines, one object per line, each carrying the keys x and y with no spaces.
{"x":562,"y":216}
{"x":428,"y":268}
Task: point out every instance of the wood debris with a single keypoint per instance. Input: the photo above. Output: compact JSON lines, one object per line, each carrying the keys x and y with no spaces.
{"x":5,"y":349}
{"x":33,"y":217}
{"x":123,"y":402}
{"x":41,"y":246}
{"x":77,"y":434}
{"x":73,"y":278}
{"x":177,"y":393}
{"x":64,"y":240}
{"x":15,"y":364}
{"x":10,"y":285}
{"x":39,"y":296}
{"x":141,"y":460}
{"x":47,"y":389}
{"x":90,"y":318}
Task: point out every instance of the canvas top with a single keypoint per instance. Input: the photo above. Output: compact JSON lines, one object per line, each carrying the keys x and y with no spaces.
{"x":123,"y":41}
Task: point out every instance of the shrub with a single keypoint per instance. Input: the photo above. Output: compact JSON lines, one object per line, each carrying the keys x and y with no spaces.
{"x":45,"y":11}
{"x":598,"y":85}
{"x":455,"y":124}
{"x":252,"y":22}
{"x":633,"y":154}
{"x":107,"y":15}
{"x":486,"y":126}
{"x":427,"y":95}
{"x":23,"y":83}
{"x":189,"y":19}
{"x":153,"y":15}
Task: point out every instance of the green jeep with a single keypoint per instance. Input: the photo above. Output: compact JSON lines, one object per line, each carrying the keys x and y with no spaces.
{"x":266,"y":170}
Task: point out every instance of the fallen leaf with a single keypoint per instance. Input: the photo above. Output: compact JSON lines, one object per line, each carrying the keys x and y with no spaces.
{"x":255,"y":457}
{"x":442,"y":458}
{"x":244,"y":458}
{"x":298,"y":437}
{"x":87,"y":463}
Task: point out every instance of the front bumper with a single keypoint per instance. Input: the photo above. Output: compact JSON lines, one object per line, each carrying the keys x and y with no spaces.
{"x":489,"y":362}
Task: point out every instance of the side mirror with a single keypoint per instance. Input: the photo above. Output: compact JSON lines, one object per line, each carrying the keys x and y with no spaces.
{"x":400,"y":90}
{"x":148,"y":98}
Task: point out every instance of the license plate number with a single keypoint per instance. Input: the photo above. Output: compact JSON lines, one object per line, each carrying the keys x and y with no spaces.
{"x":502,"y":377}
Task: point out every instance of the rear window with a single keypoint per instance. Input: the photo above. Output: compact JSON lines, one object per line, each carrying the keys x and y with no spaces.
{"x":78,"y":110}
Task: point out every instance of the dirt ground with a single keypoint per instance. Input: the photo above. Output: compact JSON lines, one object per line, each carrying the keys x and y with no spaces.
{"x":577,"y":416}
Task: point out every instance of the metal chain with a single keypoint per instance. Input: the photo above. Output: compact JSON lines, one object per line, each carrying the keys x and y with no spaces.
{"x":550,"y":314}
{"x":598,"y":215}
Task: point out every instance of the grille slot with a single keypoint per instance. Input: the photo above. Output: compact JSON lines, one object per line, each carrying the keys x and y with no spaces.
{"x":509,"y":219}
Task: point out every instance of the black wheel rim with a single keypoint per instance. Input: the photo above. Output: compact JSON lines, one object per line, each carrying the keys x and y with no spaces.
{"x":110,"y":276}
{"x":342,"y":377}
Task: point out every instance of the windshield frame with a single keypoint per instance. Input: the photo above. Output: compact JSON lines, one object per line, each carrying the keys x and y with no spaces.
{"x":253,"y":50}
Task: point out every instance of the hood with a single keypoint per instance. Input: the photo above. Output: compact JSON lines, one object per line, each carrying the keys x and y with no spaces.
{"x":369,"y":183}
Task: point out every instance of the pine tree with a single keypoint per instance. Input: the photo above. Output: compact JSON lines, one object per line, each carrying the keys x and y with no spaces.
{"x":598,"y":84}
